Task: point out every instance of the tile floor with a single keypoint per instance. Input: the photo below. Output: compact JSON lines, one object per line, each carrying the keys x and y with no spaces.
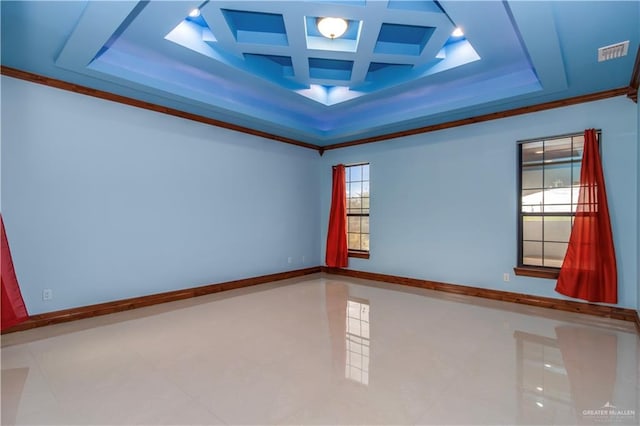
{"x":323,"y":349}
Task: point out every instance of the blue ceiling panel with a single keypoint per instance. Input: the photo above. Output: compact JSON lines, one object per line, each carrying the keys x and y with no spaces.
{"x":417,"y":5}
{"x":240,"y":20}
{"x":404,"y":34}
{"x":382,"y":71}
{"x":357,"y":3}
{"x":256,"y":27}
{"x":271,"y":65}
{"x":330,"y":69}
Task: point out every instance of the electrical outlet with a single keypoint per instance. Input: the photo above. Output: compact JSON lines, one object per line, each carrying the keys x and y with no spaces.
{"x":47,"y":294}
{"x":505,"y":277}
{"x":290,"y":260}
{"x":304,"y":260}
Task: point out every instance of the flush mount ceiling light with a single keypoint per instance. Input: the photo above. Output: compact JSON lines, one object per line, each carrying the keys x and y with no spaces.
{"x":332,"y":27}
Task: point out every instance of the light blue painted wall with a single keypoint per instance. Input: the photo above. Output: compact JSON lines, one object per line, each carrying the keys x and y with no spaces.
{"x":103,"y":201}
{"x":443,"y":204}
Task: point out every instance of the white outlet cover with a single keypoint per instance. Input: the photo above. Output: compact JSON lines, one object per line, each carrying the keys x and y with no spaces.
{"x":47,"y":294}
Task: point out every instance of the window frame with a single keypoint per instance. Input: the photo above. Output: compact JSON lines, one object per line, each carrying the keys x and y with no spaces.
{"x":535,"y":271}
{"x":361,"y":254}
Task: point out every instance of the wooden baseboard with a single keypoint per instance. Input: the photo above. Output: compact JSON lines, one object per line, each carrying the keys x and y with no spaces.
{"x":505,"y":296}
{"x":73,"y":314}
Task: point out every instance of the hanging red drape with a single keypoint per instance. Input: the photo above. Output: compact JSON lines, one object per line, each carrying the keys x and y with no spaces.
{"x":589,"y":268}
{"x":337,"y":252}
{"x":13,"y":309}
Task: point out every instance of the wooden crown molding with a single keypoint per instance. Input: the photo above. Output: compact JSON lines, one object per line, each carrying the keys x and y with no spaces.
{"x":76,"y":88}
{"x":66,"y":315}
{"x":632,"y":91}
{"x":59,"y":84}
{"x":486,"y":117}
{"x":524,"y":299}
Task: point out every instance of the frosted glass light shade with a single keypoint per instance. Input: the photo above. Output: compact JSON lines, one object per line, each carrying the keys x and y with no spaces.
{"x":332,"y":27}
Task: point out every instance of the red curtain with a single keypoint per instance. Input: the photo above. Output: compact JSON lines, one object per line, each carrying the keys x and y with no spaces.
{"x":337,"y":252}
{"x":589,"y":268}
{"x":13,"y":309}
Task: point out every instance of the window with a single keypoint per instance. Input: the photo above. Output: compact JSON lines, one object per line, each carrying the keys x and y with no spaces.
{"x":357,"y":181}
{"x":549,"y":183}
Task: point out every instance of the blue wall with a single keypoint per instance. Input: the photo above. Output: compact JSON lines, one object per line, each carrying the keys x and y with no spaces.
{"x":102,"y":201}
{"x":443,"y":204}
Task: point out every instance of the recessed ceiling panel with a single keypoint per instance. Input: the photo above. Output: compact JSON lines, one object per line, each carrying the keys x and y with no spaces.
{"x":330,"y":69}
{"x":256,"y":27}
{"x":236,"y":38}
{"x":272,"y":66}
{"x":380,"y":70}
{"x":417,"y":5}
{"x":397,"y":39}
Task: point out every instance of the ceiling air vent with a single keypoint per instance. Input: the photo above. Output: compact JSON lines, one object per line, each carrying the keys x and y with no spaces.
{"x":613,"y":51}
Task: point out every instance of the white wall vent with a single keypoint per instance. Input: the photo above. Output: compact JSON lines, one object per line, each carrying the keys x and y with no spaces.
{"x":613,"y":51}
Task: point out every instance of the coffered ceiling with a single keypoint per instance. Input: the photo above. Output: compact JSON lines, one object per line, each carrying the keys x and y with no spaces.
{"x":264,"y":65}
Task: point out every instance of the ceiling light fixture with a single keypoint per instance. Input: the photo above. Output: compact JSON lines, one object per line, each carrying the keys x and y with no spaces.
{"x":332,"y":27}
{"x":194,"y":13}
{"x":457,"y":32}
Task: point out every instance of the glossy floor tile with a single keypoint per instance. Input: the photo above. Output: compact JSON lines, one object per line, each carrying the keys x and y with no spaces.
{"x":327,"y":350}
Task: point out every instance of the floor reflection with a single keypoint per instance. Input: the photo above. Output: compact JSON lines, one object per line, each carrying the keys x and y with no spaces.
{"x":358,"y":343}
{"x":349,"y":328}
{"x":591,"y":360}
{"x":336,"y":297}
{"x":571,"y":378}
